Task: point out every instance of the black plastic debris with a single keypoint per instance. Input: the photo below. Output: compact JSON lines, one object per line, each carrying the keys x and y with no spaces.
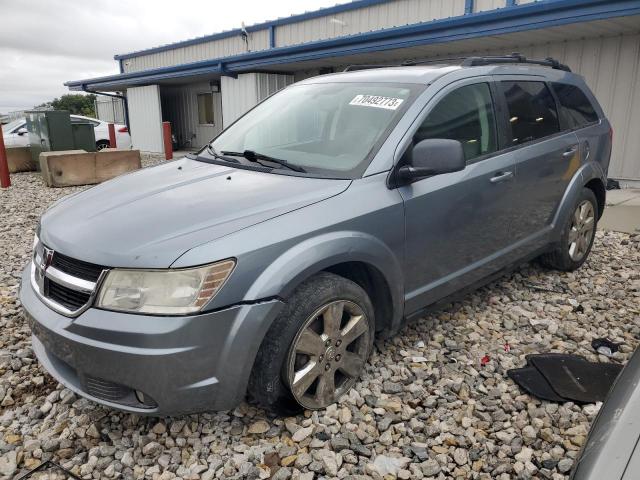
{"x":533,"y":382}
{"x":605,"y":346}
{"x":562,"y":378}
{"x":51,"y":468}
{"x":613,"y":184}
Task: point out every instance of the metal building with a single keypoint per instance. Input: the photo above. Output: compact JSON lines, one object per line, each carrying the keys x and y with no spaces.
{"x":203,"y":84}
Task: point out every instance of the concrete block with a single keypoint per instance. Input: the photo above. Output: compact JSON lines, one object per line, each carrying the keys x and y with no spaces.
{"x":77,"y":167}
{"x":19,"y":159}
{"x":112,"y":162}
{"x":67,"y":168}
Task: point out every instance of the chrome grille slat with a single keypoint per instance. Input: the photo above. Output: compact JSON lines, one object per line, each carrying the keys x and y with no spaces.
{"x":66,"y":285}
{"x":69,"y":281}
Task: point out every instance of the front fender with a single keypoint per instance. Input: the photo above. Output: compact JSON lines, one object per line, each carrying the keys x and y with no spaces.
{"x":584,"y":175}
{"x":318,"y":253}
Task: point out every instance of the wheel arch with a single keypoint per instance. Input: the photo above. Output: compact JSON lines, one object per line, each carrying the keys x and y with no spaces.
{"x":372,"y":281}
{"x":591,"y":176}
{"x":596,"y":185}
{"x":356,"y":256}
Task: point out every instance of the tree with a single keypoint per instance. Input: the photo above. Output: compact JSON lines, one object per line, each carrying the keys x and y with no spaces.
{"x":77,"y":104}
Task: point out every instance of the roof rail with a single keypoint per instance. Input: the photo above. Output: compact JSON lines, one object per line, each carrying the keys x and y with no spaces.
{"x":514,"y":58}
{"x":469,"y":62}
{"x":406,"y":63}
{"x":354,"y":68}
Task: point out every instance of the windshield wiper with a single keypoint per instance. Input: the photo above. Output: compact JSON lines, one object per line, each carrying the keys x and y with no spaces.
{"x":256,"y":157}
{"x":214,"y":153}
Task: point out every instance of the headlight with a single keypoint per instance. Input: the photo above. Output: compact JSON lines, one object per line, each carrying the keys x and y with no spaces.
{"x":168,"y":292}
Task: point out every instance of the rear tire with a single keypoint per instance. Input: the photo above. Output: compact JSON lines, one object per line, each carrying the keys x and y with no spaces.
{"x":316,"y":349}
{"x":577,"y":235}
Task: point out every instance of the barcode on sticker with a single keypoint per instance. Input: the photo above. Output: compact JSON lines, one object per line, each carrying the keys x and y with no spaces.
{"x":377,"y":101}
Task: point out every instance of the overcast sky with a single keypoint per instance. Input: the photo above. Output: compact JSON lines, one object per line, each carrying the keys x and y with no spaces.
{"x":44,"y":43}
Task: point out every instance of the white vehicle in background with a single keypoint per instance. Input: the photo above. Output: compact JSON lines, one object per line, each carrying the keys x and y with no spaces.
{"x":16,"y":135}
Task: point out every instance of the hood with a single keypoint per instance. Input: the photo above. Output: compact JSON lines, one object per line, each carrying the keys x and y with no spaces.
{"x":149,"y":218}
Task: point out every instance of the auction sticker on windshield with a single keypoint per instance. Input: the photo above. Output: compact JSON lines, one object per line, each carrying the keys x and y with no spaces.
{"x":388,"y":103}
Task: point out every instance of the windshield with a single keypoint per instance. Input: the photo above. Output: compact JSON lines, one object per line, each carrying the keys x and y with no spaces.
{"x":11,"y":125}
{"x":327,"y":128}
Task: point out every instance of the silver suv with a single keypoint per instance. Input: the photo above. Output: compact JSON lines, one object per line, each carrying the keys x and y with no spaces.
{"x":328,"y":215}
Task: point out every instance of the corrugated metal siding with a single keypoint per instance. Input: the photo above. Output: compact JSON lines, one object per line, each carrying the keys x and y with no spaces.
{"x":241,"y":94}
{"x":215,"y":49}
{"x":180,"y":107}
{"x":109,"y":109}
{"x":269,"y":83}
{"x":145,"y":118}
{"x":385,"y":15}
{"x":238,"y":96}
{"x":483,"y":5}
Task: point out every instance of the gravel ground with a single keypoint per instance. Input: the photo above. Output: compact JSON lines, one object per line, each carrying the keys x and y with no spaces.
{"x":426,"y":406}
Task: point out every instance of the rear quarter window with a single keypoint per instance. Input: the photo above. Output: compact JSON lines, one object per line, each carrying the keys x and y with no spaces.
{"x":575,"y":107}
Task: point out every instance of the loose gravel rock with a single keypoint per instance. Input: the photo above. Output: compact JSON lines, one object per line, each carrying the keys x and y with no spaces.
{"x":426,"y":407}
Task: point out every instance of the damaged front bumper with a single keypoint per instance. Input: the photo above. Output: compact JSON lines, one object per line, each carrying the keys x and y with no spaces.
{"x":155,"y":365}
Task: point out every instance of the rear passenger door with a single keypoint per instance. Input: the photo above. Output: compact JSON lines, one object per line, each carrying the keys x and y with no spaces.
{"x":578,"y":112}
{"x":545,"y":156}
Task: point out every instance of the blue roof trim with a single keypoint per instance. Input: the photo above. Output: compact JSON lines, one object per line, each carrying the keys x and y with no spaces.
{"x":468,"y":7}
{"x":344,"y":7}
{"x":524,"y":17}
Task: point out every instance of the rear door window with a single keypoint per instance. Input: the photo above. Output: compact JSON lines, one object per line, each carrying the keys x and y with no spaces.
{"x":465,"y":114}
{"x":575,"y":107}
{"x":531,"y":109}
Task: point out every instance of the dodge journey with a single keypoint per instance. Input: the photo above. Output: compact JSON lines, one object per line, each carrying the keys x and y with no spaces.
{"x":265,"y":265}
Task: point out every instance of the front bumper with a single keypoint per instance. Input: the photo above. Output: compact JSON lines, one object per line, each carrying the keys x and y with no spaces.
{"x":177,"y":365}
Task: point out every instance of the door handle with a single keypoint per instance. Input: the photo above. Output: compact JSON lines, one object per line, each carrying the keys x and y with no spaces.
{"x":570,"y":151}
{"x":501,"y":177}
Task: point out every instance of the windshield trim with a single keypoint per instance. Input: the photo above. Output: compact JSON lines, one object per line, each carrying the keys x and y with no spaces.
{"x":415,"y":89}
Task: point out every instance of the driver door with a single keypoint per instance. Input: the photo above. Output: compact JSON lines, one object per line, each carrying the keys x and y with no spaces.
{"x":457,"y":224}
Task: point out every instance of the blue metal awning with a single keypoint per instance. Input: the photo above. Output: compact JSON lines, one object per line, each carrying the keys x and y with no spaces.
{"x":511,"y":19}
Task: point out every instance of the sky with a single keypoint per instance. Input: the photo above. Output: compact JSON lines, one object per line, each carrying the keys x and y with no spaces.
{"x":44,"y":43}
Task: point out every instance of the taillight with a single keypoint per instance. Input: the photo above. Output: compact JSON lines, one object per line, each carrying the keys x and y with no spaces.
{"x":123,"y":130}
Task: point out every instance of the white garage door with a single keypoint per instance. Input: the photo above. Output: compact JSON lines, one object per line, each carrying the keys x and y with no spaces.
{"x":145,"y":118}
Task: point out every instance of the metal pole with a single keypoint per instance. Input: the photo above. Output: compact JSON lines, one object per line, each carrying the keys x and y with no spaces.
{"x":5,"y":180}
{"x":112,"y":136}
{"x":168,"y":144}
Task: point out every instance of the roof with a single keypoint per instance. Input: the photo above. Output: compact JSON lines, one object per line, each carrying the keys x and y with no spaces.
{"x":343,"y":7}
{"x":521,"y":18}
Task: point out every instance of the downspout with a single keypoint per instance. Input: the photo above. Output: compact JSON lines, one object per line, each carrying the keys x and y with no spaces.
{"x":113,"y":95}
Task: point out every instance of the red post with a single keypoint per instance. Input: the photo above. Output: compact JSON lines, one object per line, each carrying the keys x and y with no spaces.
{"x":112,"y":136}
{"x":168,"y":144}
{"x":5,"y":180}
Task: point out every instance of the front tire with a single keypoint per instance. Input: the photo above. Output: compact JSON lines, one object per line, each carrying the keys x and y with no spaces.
{"x":577,"y":235}
{"x":316,"y":349}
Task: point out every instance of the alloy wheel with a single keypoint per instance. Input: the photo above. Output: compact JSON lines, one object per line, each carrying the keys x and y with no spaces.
{"x":328,"y":354}
{"x":583,"y":226}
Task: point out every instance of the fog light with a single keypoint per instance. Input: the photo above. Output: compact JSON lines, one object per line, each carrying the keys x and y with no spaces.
{"x":140,"y":396}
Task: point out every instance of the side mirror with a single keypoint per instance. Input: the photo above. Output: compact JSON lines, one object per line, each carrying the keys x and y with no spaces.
{"x":22,"y":131}
{"x":433,"y":156}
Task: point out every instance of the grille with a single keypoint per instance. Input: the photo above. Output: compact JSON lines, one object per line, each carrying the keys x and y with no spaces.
{"x":106,"y":390}
{"x":77,"y":268}
{"x":68,"y":298}
{"x":116,"y":393}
